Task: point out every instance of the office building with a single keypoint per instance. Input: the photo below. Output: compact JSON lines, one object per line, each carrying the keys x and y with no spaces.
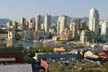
{"x":94,"y":21}
{"x":85,"y":36}
{"x":75,"y":27}
{"x":47,"y":22}
{"x":61,"y":24}
{"x":104,"y":31}
{"x":38,"y":23}
{"x":22,"y":24}
{"x":30,"y":24}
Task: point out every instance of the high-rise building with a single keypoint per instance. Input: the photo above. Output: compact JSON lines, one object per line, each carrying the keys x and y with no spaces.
{"x":38,"y":23}
{"x":47,"y":22}
{"x":30,"y":24}
{"x":61,"y":24}
{"x":85,"y":36}
{"x":66,"y":35}
{"x":83,"y":25}
{"x":12,"y":25}
{"x":42,"y":26}
{"x":94,"y":21}
{"x":15,"y":25}
{"x":104,"y":31}
{"x":22,"y":24}
{"x":75,"y":27}
{"x":71,"y":25}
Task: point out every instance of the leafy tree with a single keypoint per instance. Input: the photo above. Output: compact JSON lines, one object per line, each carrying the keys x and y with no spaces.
{"x":31,"y":52}
{"x":80,"y":46}
{"x":3,"y":31}
{"x":63,"y":41}
{"x":45,"y":50}
{"x":2,"y":45}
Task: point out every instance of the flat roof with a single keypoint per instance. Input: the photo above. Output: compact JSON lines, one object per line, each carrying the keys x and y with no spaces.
{"x":11,"y":50}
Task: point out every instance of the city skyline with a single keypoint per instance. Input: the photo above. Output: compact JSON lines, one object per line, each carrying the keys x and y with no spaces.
{"x":78,"y":8}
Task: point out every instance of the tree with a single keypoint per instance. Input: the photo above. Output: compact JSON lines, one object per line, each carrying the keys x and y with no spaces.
{"x":2,"y":45}
{"x":31,"y":52}
{"x":80,"y":46}
{"x":45,"y":50}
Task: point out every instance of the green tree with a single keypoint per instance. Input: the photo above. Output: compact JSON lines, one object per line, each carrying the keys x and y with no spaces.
{"x":45,"y":50}
{"x":2,"y":45}
{"x":31,"y":52}
{"x":80,"y":46}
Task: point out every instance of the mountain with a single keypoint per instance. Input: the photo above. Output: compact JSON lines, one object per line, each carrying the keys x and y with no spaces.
{"x":4,"y":21}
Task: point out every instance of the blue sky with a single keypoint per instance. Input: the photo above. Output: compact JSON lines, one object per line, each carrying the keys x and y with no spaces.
{"x":14,"y":9}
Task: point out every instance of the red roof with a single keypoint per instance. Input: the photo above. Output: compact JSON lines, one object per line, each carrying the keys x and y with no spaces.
{"x":102,"y":53}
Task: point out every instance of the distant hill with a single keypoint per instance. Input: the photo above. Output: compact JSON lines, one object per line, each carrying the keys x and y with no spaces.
{"x":4,"y":21}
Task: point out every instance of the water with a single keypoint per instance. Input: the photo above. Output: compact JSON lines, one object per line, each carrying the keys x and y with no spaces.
{"x":38,"y":44}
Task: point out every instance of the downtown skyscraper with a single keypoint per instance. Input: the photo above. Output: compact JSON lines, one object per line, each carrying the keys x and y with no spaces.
{"x":47,"y":22}
{"x":94,"y":21}
{"x":38,"y":23}
{"x":61,"y":24}
{"x":104,"y":31}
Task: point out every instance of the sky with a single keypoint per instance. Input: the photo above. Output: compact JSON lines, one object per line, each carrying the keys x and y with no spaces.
{"x":14,"y":9}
